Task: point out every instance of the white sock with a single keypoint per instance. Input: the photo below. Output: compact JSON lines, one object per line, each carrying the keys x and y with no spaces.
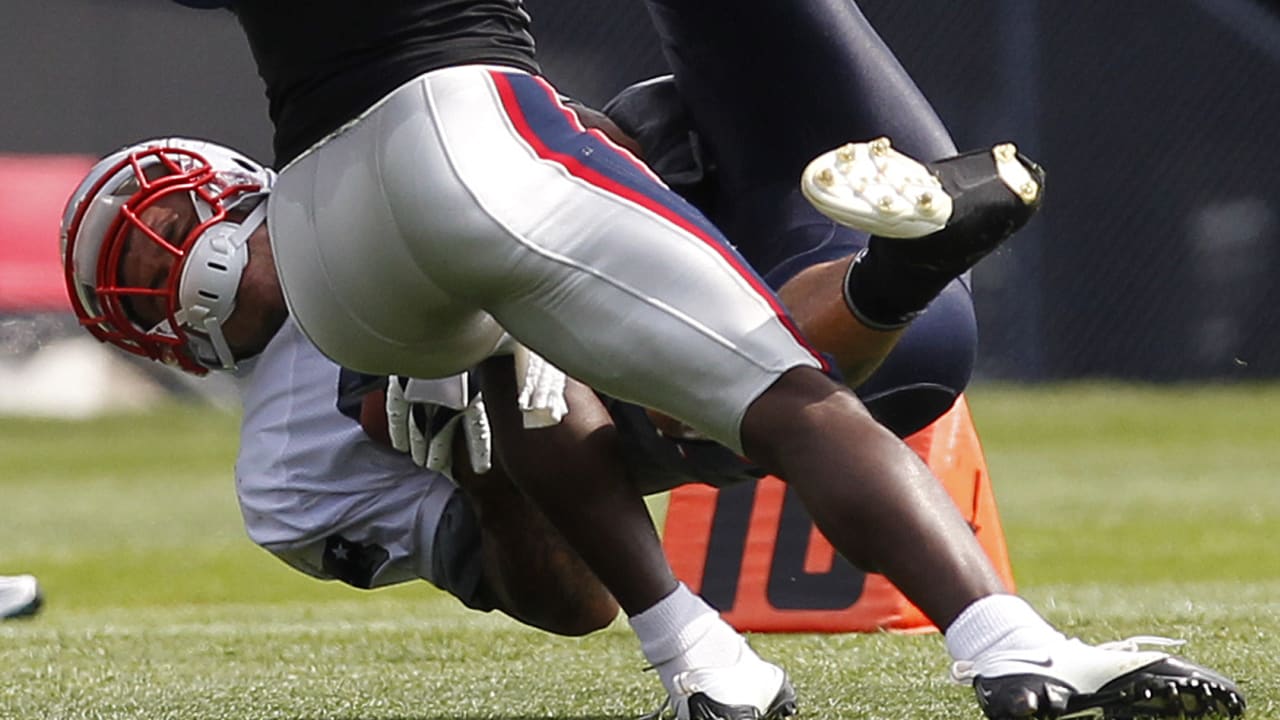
{"x":998,"y":622}
{"x":682,"y":632}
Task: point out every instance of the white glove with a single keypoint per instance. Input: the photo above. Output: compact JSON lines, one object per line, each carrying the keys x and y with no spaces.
{"x":541,"y":387}
{"x":422,"y":416}
{"x":475,"y":429}
{"x":406,"y":434}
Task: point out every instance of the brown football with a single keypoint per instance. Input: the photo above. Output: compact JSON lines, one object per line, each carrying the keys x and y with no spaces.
{"x":373,"y":417}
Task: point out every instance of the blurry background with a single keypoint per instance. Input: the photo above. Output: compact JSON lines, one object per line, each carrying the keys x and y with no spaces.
{"x":1146,"y":505}
{"x":1154,"y":259}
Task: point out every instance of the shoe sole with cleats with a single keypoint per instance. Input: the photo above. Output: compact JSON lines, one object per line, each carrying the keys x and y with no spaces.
{"x":873,"y":187}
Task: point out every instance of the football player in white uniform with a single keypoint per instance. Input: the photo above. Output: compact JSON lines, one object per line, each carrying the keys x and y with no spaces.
{"x":313,"y":488}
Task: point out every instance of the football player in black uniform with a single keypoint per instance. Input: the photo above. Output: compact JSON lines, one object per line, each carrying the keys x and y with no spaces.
{"x":818,"y":69}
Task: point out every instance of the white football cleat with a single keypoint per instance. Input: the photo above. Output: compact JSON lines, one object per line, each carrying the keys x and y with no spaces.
{"x":1111,"y":681}
{"x":750,"y":689}
{"x":19,"y":596}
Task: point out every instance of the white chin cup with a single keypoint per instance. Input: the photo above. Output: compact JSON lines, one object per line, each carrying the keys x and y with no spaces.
{"x":210,"y":280}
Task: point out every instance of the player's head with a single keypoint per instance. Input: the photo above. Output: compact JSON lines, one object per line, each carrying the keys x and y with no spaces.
{"x":154,"y":242}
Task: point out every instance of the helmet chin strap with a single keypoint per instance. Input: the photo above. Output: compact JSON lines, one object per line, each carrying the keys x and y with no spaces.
{"x":210,"y":280}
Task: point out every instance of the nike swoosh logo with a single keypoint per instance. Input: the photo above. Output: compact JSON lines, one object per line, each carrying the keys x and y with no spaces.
{"x":1045,"y":663}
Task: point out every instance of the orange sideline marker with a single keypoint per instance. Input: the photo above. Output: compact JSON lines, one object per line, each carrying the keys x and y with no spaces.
{"x":753,"y":551}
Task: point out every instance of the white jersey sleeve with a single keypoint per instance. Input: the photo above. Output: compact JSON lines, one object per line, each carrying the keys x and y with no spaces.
{"x":314,"y":489}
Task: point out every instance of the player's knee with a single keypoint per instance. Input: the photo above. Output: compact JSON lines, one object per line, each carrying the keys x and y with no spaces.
{"x":583,"y":618}
{"x":929,"y":368}
{"x":798,"y":411}
{"x":908,"y":410}
{"x":568,"y":609}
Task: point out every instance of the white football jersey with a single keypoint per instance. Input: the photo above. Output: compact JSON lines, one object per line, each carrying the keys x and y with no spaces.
{"x":314,"y":489}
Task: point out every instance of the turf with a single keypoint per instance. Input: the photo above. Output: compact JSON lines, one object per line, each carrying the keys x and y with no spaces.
{"x":1128,"y":510}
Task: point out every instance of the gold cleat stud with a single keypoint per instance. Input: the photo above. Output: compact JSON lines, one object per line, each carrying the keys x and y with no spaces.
{"x":826,"y":178}
{"x":1016,"y":176}
{"x":925,"y":201}
{"x":880,"y":146}
{"x":846,"y":154}
{"x":886,"y":203}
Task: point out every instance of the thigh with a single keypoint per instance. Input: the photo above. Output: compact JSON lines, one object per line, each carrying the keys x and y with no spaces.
{"x":370,"y":287}
{"x":771,"y":84}
{"x":766,"y":93}
{"x":593,"y":263}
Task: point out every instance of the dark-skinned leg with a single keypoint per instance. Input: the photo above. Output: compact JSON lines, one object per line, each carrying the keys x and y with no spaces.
{"x":869,"y":493}
{"x":571,"y":471}
{"x":907,"y":377}
{"x":880,"y":506}
{"x":529,"y":570}
{"x":814,"y":300}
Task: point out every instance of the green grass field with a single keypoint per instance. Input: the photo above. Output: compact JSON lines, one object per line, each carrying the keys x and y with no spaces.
{"x":1128,"y":511}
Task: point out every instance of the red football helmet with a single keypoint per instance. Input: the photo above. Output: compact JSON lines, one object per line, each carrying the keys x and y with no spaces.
{"x":199,"y":291}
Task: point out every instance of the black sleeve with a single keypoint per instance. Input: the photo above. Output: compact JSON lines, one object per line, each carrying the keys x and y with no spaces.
{"x":352,"y":387}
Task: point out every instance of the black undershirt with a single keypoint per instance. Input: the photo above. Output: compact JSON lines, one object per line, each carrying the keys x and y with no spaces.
{"x":326,"y":61}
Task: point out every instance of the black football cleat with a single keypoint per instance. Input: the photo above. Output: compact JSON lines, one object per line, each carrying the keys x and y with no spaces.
{"x":945,"y":215}
{"x":1111,"y":681}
